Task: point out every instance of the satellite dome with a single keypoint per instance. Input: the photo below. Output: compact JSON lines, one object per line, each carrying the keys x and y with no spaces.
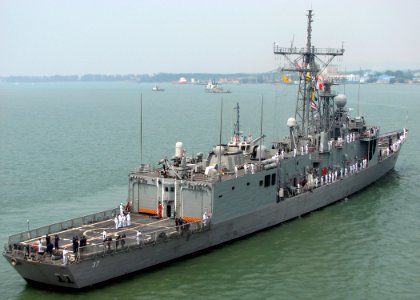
{"x":219,"y":150}
{"x":261,"y":152}
{"x":340,"y":100}
{"x":291,"y":122}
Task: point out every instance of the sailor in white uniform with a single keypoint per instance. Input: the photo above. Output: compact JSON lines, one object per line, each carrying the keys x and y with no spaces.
{"x":128,"y":219}
{"x":116,"y":222}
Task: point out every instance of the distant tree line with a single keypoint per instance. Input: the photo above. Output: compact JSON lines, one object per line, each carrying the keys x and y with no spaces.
{"x":397,"y":76}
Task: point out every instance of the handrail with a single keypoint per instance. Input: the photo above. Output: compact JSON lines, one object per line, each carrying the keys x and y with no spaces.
{"x":57,"y":227}
{"x":103,"y":249}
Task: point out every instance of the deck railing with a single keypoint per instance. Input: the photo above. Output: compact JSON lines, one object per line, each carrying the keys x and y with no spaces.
{"x":113,"y":247}
{"x":61,"y":226}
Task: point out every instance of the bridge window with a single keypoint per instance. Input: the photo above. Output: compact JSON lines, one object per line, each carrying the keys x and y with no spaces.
{"x":273,"y":179}
{"x":267,"y":180}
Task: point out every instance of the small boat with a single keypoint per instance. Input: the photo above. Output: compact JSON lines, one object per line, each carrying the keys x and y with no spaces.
{"x":182,"y":80}
{"x":156,"y":88}
{"x":214,"y":87}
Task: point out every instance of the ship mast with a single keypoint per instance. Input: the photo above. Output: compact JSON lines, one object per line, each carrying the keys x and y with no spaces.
{"x":236,"y":131}
{"x":314,"y":110}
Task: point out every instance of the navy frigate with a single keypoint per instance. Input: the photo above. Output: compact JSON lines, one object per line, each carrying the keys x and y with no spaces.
{"x":188,"y":204}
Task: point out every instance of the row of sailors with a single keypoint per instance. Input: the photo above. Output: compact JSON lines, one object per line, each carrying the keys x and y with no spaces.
{"x":248,"y":168}
{"x":122,"y":220}
{"x":395,"y":146}
{"x":351,"y":137}
{"x":331,"y":177}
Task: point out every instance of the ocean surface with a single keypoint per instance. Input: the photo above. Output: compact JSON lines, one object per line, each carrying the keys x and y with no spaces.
{"x":66,"y":150}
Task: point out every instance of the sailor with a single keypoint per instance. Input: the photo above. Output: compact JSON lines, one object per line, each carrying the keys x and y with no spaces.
{"x":119,"y":221}
{"x":49,"y":249}
{"x":47,"y":239}
{"x":282,"y":154}
{"x":246,"y":168}
{"x":121,"y":208}
{"x":236,"y":171}
{"x":56,"y":240}
{"x":322,"y":181}
{"x":75,"y":244}
{"x":316,"y":182}
{"x":335,"y":175}
{"x":301,"y":150}
{"x":116,"y":222}
{"x":123,"y":220}
{"x":205,"y":218}
{"x":128,"y":219}
{"x":104,"y":235}
{"x":306,"y":148}
{"x":294,"y":152}
{"x":65,"y":254}
{"x":252,"y":168}
{"x":83,"y":241}
{"x":160,"y":209}
{"x":39,"y":245}
{"x":138,"y":237}
{"x":341,"y":172}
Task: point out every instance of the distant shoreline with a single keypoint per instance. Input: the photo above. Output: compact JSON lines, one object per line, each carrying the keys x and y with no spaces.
{"x":368,"y":76}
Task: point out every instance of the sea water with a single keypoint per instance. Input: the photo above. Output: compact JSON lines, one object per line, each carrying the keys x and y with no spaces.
{"x":66,"y":150}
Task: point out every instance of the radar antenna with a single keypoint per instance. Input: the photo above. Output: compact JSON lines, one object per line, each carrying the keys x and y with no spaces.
{"x":314,"y":110}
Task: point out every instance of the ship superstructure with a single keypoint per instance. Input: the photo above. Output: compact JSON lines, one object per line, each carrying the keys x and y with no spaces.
{"x":190,"y":203}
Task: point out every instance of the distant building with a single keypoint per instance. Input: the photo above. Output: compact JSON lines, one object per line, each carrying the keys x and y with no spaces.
{"x":385,"y":79}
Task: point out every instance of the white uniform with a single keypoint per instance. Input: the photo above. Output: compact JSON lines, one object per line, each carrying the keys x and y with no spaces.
{"x":124,"y":221}
{"x":138,"y":237}
{"x":103,"y":235}
{"x":116,"y":222}
{"x":64,"y":257}
{"x":119,"y":221}
{"x":128,"y":219}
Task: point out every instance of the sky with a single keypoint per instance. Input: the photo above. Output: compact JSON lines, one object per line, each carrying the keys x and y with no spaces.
{"x":48,"y":37}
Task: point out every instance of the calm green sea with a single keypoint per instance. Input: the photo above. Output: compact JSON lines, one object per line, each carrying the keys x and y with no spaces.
{"x":66,"y":149}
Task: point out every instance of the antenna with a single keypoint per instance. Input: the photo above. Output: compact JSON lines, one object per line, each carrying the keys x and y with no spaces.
{"x":311,"y":105}
{"x":141,"y":129}
{"x":262,"y":105}
{"x":220,"y":138}
{"x":358,"y":96}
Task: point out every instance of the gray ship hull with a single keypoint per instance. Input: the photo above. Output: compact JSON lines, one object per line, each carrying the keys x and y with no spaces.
{"x":102,"y":268}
